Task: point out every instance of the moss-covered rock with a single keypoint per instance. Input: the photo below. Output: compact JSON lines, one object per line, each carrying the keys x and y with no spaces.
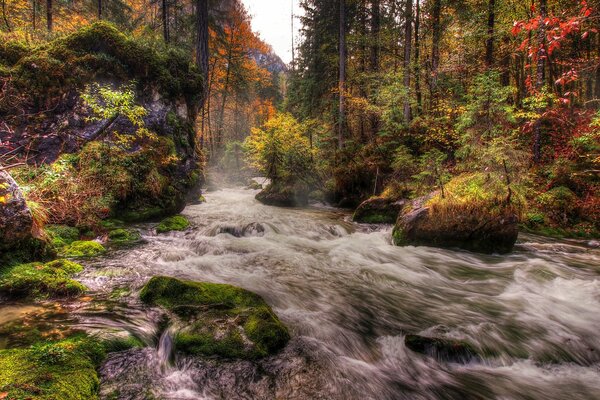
{"x":442,"y":349}
{"x":478,"y":213}
{"x":57,"y":370}
{"x":124,"y":237}
{"x":283,"y":195}
{"x":52,"y":279}
{"x":378,"y":210}
{"x":175,"y":223}
{"x":83,"y":249}
{"x":61,"y":235}
{"x":217,"y":320}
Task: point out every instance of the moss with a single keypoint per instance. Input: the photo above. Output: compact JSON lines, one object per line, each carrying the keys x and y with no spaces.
{"x":112,"y":224}
{"x":201,"y":199}
{"x":375,"y":218}
{"x":52,"y":279}
{"x":398,"y":237}
{"x":83,"y":249}
{"x":52,"y":370}
{"x":175,"y":223}
{"x":123,"y":237}
{"x":61,"y":235}
{"x":119,"y":292}
{"x":218,"y":319}
{"x":27,"y":251}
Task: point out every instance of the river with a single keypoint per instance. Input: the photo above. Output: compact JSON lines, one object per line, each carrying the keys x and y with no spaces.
{"x":349,"y":297}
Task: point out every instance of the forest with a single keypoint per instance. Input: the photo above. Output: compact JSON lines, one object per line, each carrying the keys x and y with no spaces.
{"x":407,"y":208}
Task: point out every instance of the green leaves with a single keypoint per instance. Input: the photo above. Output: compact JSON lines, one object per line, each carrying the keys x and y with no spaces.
{"x":106,"y":103}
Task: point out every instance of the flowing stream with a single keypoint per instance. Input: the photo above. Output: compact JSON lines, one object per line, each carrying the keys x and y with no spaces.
{"x":349,"y":298}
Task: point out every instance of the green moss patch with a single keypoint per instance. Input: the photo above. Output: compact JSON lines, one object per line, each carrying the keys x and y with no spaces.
{"x":52,"y":279}
{"x":61,"y":235}
{"x":83,"y":249}
{"x":124,"y":237}
{"x":216,"y":319}
{"x":175,"y":223}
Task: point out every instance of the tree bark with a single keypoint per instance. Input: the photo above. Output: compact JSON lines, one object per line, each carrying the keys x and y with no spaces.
{"x":375,"y":30}
{"x":418,"y":59}
{"x":33,"y":13}
{"x":4,"y":16}
{"x":202,"y":43}
{"x":435,"y":49}
{"x":407,"y":54}
{"x":342,"y":77}
{"x":99,"y":9}
{"x":489,"y":45}
{"x":165,"y":20}
{"x":540,"y":78}
{"x":49,"y":15}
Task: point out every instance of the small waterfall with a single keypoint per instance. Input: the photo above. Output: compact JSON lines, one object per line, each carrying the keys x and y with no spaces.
{"x":164,"y":350}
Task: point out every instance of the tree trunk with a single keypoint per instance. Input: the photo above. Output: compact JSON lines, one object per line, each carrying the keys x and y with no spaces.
{"x":489,"y":45}
{"x":165,"y":20}
{"x":435,"y":49}
{"x":418,"y":59}
{"x":407,"y":54}
{"x":540,"y":79}
{"x":33,"y":13}
{"x":342,"y":77}
{"x":99,"y":9}
{"x":49,"y":14}
{"x":375,"y":29}
{"x":202,"y":43}
{"x":4,"y":16}
{"x":221,"y":126}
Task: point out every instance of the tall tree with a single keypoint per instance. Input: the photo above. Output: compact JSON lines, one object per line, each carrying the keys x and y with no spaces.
{"x":99,"y":9}
{"x":540,"y":77}
{"x":202,"y":43}
{"x":342,"y":77}
{"x":407,"y":54}
{"x":165,"y":20}
{"x":435,"y":48}
{"x":489,"y":45}
{"x":49,"y":15}
{"x":418,"y":58}
{"x":375,"y":34}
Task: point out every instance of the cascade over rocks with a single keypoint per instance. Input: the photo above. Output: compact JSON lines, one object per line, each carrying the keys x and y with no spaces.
{"x":457,"y":226}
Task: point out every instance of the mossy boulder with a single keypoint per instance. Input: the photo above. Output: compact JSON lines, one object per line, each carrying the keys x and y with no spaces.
{"x":61,"y":235}
{"x":216,"y":319}
{"x":477,"y":213}
{"x":124,"y":237}
{"x":52,"y":279}
{"x":378,"y":210}
{"x":175,"y":223}
{"x":57,"y":370}
{"x":16,"y":219}
{"x":283,"y":195}
{"x":83,"y":248}
{"x":442,"y":349}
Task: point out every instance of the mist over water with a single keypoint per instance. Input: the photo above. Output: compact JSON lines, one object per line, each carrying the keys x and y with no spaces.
{"x":349,"y":297}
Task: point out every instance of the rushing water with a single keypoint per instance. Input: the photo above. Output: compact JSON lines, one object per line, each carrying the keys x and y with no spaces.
{"x":349,"y":297}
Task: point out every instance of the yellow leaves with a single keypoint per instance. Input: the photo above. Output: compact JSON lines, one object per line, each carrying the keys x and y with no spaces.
{"x":3,"y":200}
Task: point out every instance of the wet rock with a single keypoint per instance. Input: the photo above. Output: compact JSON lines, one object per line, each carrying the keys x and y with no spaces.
{"x":442,"y":349}
{"x":16,"y":221}
{"x":252,"y":229}
{"x":458,"y":226}
{"x":378,"y":210}
{"x":217,"y":320}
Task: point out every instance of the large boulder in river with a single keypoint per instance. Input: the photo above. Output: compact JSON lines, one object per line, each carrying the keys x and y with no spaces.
{"x":450,"y":350}
{"x":378,"y":210}
{"x":475,"y":214}
{"x":283,"y":195}
{"x":217,"y":320}
{"x":16,"y":221}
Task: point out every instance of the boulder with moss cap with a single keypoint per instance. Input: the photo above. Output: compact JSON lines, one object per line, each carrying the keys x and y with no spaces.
{"x":216,"y":319}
